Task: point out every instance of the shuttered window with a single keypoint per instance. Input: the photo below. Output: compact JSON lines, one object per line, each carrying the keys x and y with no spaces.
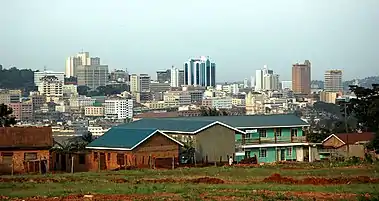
{"x":29,"y":156}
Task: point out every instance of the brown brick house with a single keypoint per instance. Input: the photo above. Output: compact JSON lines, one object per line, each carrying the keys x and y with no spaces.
{"x":346,"y":144}
{"x":121,"y":147}
{"x":24,"y":149}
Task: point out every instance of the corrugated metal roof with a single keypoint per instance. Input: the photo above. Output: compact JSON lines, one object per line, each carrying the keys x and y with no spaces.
{"x":170,"y":124}
{"x":121,"y":137}
{"x":255,"y":121}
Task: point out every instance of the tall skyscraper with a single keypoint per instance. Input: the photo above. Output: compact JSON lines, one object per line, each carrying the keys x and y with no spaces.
{"x":82,"y":58}
{"x":200,"y":71}
{"x":301,"y":78}
{"x":333,"y":81}
{"x":265,"y":79}
{"x":174,"y":77}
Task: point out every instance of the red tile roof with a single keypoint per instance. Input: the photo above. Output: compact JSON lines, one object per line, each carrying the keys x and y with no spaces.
{"x":352,"y":138}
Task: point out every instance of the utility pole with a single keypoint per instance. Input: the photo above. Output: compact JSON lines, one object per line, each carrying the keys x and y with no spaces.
{"x":346,"y":128}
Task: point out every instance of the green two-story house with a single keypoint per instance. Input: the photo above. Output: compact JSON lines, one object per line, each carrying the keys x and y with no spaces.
{"x":271,"y":138}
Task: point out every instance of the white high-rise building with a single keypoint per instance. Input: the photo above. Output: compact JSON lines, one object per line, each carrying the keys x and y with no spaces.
{"x":81,"y":59}
{"x":174,"y":77}
{"x":51,"y":87}
{"x":265,"y":79}
{"x":39,"y":75}
{"x":252,"y":82}
{"x":118,"y":108}
{"x":258,"y":80}
{"x":245,"y":85}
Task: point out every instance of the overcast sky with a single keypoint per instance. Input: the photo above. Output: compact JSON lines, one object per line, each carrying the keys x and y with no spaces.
{"x":240,"y":35}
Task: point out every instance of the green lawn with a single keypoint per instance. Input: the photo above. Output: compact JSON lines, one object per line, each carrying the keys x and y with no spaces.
{"x":241,"y":183}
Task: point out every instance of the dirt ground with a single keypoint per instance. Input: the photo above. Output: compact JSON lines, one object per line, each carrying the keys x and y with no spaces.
{"x":277,"y":178}
{"x":174,"y":197}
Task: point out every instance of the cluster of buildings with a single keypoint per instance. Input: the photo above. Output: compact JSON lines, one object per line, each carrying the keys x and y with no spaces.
{"x":160,"y":142}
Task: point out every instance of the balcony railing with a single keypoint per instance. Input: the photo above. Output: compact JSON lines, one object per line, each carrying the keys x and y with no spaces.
{"x":266,"y":140}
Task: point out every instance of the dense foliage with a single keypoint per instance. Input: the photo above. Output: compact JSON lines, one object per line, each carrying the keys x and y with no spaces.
{"x":365,"y":108}
{"x":5,"y":119}
{"x":14,"y":78}
{"x":206,"y":111}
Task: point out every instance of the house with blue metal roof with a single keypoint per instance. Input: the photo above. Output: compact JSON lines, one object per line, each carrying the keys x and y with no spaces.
{"x":123,"y":146}
{"x":212,"y":140}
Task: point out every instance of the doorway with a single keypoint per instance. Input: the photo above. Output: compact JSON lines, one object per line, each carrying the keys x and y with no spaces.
{"x":103,"y":165}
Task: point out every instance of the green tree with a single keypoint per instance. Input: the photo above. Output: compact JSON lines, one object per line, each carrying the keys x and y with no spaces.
{"x":207,"y":111}
{"x":5,"y":119}
{"x":365,"y":108}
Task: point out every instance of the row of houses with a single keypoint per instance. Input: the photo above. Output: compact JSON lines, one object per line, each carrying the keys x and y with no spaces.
{"x":148,"y":142}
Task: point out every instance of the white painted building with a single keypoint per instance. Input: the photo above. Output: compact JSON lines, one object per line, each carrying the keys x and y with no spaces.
{"x":51,"y":87}
{"x":97,"y":130}
{"x":118,"y":108}
{"x":174,"y":77}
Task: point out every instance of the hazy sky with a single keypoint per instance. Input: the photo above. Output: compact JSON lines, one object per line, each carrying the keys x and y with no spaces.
{"x":240,"y":35}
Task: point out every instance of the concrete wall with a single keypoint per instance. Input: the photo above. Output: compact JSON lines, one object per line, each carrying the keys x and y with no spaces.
{"x":215,"y":142}
{"x":19,"y":163}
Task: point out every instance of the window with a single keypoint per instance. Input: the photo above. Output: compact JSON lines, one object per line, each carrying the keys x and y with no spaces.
{"x":120,"y":159}
{"x":294,"y":132}
{"x":289,"y":151}
{"x":278,"y":132}
{"x":82,"y":159}
{"x":30,"y":156}
{"x":7,"y":157}
{"x":247,"y":136}
{"x":262,"y":133}
{"x":263,"y":153}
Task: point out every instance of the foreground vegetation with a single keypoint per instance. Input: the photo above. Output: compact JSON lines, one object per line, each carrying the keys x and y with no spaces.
{"x":238,"y":183}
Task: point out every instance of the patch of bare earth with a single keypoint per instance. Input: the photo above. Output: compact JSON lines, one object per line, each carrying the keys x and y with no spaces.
{"x":165,"y":196}
{"x":284,"y":195}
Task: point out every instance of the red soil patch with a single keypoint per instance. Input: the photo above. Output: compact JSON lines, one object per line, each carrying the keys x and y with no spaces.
{"x":277,"y":178}
{"x":204,"y":180}
{"x":166,"y":196}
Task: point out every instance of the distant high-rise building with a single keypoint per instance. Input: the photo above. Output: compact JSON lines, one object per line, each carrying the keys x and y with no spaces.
{"x":51,"y":87}
{"x":92,"y":76}
{"x":174,"y":77}
{"x":164,"y":76}
{"x":139,"y":83}
{"x":287,"y":85}
{"x":252,"y":82}
{"x":82,"y":58}
{"x":333,"y":81}
{"x":181,"y":77}
{"x":301,"y":78}
{"x":200,"y":72}
{"x":265,"y":79}
{"x":258,"y":80}
{"x":119,"y":76}
{"x":245,"y":83}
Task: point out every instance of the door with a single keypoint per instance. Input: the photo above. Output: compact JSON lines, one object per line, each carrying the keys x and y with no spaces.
{"x":103,"y":165}
{"x":282,"y":154}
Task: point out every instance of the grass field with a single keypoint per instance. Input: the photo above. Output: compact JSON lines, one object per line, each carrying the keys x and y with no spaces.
{"x":300,"y":182}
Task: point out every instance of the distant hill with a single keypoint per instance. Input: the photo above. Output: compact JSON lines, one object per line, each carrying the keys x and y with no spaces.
{"x":15,"y":78}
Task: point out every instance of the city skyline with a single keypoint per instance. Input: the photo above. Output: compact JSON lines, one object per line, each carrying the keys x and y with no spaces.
{"x":39,"y":36}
